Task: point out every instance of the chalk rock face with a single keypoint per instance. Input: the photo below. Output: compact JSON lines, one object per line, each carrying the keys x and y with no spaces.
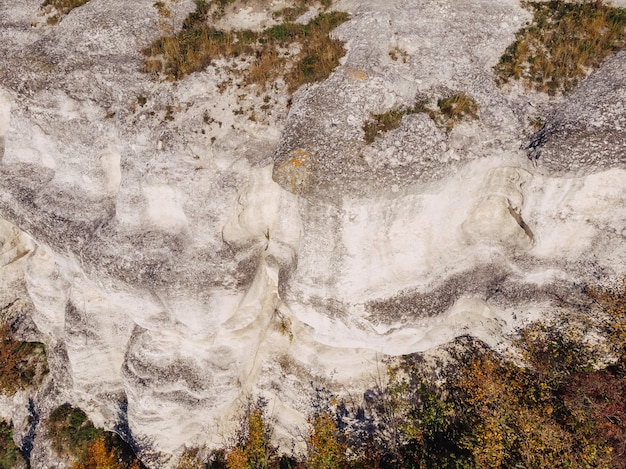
{"x":497,"y":215}
{"x":181,"y":257}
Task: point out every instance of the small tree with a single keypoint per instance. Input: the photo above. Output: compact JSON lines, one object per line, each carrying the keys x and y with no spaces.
{"x":325,"y":450}
{"x":253,"y":449}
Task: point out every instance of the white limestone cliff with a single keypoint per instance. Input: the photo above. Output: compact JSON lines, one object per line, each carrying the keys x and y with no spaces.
{"x":176,"y":267}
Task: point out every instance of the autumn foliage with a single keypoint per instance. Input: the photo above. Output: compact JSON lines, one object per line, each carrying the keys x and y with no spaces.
{"x":253,"y":450}
{"x":74,"y":436}
{"x":556,"y":399}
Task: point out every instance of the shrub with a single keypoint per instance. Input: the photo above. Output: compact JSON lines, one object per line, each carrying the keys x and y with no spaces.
{"x":610,"y":302}
{"x":10,"y":455}
{"x":482,"y":410}
{"x":516,"y":419}
{"x":100,"y":454}
{"x":22,"y":364}
{"x":555,"y":350}
{"x":419,"y":427}
{"x":73,"y":435}
{"x":70,"y":431}
{"x":563,"y":41}
{"x":596,"y":403}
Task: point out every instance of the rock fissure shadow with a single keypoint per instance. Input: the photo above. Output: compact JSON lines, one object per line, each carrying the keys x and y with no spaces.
{"x":28,"y":440}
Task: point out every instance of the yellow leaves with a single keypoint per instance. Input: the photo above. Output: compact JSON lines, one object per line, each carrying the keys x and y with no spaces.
{"x":325,"y":451}
{"x":490,"y":448}
{"x":506,"y":416}
{"x":190,"y":459}
{"x":100,"y":456}
{"x":237,"y":459}
{"x":254,"y":450}
{"x":72,"y":435}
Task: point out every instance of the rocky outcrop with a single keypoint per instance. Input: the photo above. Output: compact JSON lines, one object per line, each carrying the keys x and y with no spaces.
{"x":587,"y":132}
{"x":181,"y":257}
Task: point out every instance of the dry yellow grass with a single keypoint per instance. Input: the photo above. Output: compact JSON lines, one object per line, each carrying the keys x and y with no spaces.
{"x":563,"y":42}
{"x":62,"y":7}
{"x":198,"y":44}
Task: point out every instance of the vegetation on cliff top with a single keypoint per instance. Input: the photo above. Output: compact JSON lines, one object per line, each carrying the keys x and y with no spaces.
{"x":562,"y":43}
{"x":270,"y":53}
{"x":552,"y":403}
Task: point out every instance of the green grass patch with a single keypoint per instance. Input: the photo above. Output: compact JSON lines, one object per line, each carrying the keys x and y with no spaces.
{"x":199,"y":43}
{"x":449,"y":110}
{"x":562,"y":43}
{"x":299,"y":8}
{"x":456,"y":108}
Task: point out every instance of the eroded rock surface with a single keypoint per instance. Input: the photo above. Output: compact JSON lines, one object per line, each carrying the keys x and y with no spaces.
{"x":177,"y":264}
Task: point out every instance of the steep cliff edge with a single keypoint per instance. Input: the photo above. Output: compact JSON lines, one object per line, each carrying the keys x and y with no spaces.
{"x":183,"y":250}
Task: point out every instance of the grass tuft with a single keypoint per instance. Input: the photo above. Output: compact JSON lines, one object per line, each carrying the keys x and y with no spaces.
{"x":449,"y":110}
{"x":562,"y":43}
{"x":62,"y":7}
{"x":457,"y":107}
